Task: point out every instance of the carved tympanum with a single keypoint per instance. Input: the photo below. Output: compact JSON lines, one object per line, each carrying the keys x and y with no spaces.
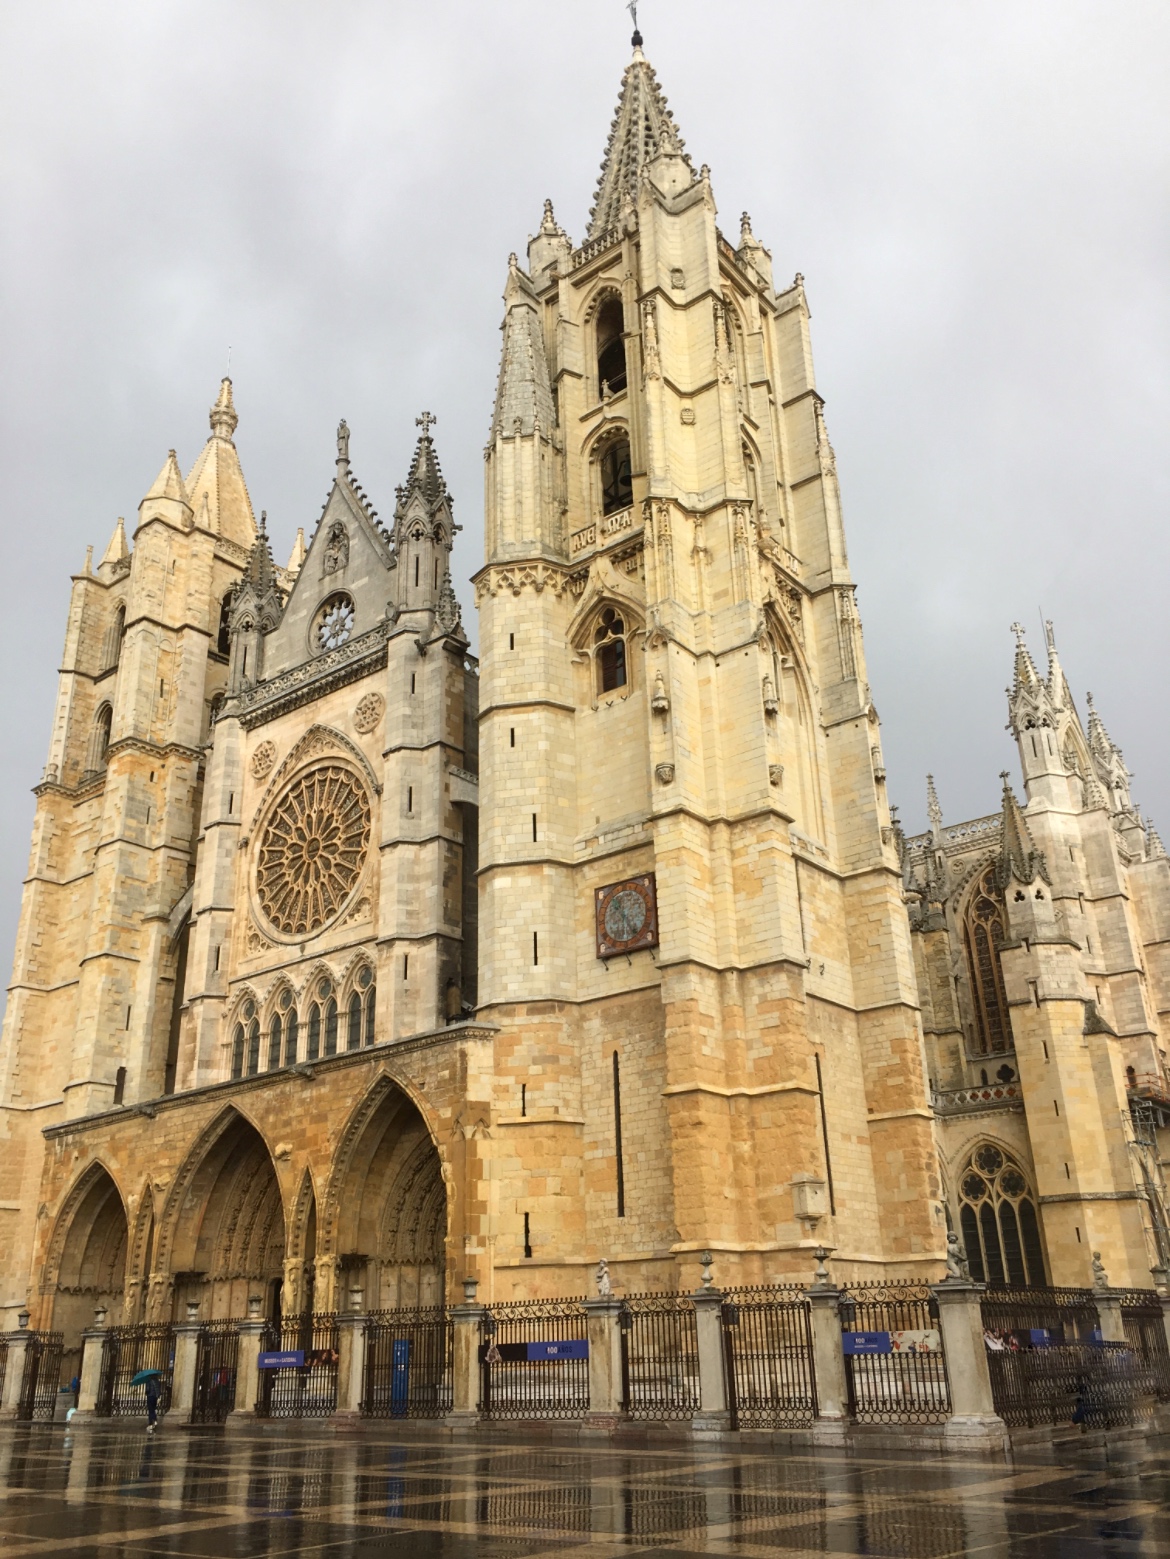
{"x":313,"y":849}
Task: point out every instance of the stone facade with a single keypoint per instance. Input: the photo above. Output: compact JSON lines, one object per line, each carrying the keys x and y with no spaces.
{"x":1040,"y":946}
{"x":340,"y":965}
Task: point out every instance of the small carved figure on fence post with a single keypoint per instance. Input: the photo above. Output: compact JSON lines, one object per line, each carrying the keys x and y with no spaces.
{"x":957,"y":1269}
{"x":604,"y":1286}
{"x":1100,"y":1276}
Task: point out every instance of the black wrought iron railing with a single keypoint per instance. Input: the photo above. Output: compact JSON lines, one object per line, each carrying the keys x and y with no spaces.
{"x":660,"y":1356}
{"x":217,"y":1351}
{"x":520,"y":1377}
{"x":127,"y":1351}
{"x":408,"y":1364}
{"x":768,"y":1358}
{"x":904,"y":1378}
{"x":306,"y":1387}
{"x":42,"y":1376}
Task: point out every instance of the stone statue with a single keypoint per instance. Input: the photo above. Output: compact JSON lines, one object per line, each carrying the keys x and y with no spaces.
{"x":1100,"y":1276}
{"x":957,"y":1269}
{"x":343,"y":442}
{"x":604,"y":1286}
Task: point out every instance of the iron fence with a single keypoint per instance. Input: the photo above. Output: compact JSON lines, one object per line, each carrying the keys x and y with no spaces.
{"x":768,"y":1358}
{"x":1145,"y":1331}
{"x":3,"y":1364}
{"x":127,"y":1350}
{"x":1050,"y":1367}
{"x":306,"y":1390}
{"x":408,"y":1364}
{"x":660,"y":1356}
{"x":42,"y":1376}
{"x":908,"y":1383}
{"x":514,"y":1381}
{"x":217,"y":1351}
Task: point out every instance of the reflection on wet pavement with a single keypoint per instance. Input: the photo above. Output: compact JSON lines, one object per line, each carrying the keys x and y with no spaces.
{"x":107,"y":1490}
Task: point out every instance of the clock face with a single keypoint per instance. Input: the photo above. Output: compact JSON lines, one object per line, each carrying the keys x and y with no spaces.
{"x":627,"y":916}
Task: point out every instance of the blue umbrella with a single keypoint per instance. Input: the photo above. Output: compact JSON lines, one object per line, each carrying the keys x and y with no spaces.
{"x":143,"y":1376}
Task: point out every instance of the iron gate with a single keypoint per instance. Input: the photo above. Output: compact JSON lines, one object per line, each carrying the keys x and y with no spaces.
{"x":217,"y":1350}
{"x":660,"y":1356}
{"x":1049,"y":1366}
{"x":42,"y":1376}
{"x":408,"y":1364}
{"x":308,"y":1390}
{"x":1145,"y":1331}
{"x":768,"y":1358}
{"x":513,"y":1384}
{"x":909,"y":1383}
{"x":128,"y":1349}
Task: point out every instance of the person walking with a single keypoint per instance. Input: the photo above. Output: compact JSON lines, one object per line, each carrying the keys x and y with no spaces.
{"x":153,"y":1393}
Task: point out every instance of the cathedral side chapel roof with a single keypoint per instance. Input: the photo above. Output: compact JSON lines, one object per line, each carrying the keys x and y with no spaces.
{"x":218,"y":492}
{"x":643,"y":126}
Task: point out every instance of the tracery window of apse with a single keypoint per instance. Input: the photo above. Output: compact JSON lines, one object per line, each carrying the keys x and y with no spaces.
{"x":997,"y":1217}
{"x":617,"y":483}
{"x":983,"y":935}
{"x":611,"y":347}
{"x":609,"y":650}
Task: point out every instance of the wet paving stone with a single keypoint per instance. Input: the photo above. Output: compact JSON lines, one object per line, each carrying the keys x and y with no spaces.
{"x":307,"y":1493}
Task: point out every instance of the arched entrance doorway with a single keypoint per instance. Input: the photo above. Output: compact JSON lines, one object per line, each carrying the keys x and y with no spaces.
{"x":386,"y":1216}
{"x":228,"y":1233}
{"x":90,"y":1265}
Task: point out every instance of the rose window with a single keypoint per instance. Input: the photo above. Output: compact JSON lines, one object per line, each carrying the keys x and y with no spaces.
{"x":333,"y":624}
{"x":312,"y":850}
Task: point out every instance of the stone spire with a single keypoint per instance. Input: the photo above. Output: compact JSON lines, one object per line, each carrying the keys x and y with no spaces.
{"x":424,"y":530}
{"x":298,"y":554}
{"x":1031,"y":705}
{"x":118,"y":549}
{"x":643,"y":128}
{"x":1108,"y":761}
{"x":219,"y":494}
{"x":425,"y":475}
{"x":1058,"y":688}
{"x":168,"y":483}
{"x":524,"y":398}
{"x":933,"y":810}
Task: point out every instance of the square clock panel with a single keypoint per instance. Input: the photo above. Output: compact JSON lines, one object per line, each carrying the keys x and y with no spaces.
{"x":626,"y":916}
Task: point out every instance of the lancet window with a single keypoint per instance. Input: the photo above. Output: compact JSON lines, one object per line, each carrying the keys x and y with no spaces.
{"x":983,"y":936}
{"x":611,"y":347}
{"x":617,"y":486}
{"x":997,"y":1218}
{"x":609,"y":651}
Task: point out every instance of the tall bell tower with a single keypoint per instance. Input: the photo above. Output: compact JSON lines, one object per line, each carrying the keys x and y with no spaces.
{"x":692,"y":929}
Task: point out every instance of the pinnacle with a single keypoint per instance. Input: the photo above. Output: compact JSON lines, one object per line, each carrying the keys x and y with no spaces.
{"x":426,"y":476}
{"x":223,"y":418}
{"x":642,"y":128}
{"x":118,"y":548}
{"x":169,"y":481}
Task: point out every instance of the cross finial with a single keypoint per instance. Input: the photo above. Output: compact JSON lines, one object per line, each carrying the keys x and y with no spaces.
{"x":424,"y":422}
{"x":1018,"y":630}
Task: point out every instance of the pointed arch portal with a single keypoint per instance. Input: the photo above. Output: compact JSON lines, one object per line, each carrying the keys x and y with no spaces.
{"x":91,"y":1265}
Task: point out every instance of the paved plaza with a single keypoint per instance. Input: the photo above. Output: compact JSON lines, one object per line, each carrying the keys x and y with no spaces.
{"x":109,"y":1490}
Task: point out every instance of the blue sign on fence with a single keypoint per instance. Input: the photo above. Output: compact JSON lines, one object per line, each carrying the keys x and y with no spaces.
{"x":293,"y":1360}
{"x":572,"y":1348}
{"x":399,"y":1376}
{"x":857,"y":1343}
{"x":1040,"y":1337}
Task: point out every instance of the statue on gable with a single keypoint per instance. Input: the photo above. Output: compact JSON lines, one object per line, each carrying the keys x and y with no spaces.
{"x":336,"y":549}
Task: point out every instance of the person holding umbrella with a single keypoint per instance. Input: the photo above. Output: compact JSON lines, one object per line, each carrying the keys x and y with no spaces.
{"x":150,"y":1379}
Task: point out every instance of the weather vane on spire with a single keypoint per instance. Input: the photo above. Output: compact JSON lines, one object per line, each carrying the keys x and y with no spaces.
{"x":632,"y":8}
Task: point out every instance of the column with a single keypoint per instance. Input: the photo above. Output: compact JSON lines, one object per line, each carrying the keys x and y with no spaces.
{"x":974,"y":1423}
{"x":828,"y":1363}
{"x":465,"y":1370}
{"x":351,"y":1359}
{"x":93,"y":1354}
{"x":247,"y":1365}
{"x":14,"y":1372}
{"x":186,"y":1359}
{"x":603,"y":1330}
{"x":712,"y":1418}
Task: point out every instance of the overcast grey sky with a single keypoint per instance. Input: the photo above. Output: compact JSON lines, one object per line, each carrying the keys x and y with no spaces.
{"x":976,"y":194}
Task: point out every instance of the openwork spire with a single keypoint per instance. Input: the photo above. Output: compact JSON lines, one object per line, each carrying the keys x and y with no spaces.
{"x":643,"y":126}
{"x":1019,"y":861}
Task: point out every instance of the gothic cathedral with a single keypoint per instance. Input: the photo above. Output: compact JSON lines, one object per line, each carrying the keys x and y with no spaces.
{"x":351,"y":965}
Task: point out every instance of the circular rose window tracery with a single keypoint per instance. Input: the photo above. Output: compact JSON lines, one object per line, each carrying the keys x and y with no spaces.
{"x":313,"y":849}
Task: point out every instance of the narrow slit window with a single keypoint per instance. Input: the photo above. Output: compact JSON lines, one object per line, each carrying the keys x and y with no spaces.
{"x":535,"y":949}
{"x":527,"y":1239}
{"x":617,"y":1135}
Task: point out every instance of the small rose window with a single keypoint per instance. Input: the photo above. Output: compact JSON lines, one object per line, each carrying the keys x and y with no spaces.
{"x":333,"y":624}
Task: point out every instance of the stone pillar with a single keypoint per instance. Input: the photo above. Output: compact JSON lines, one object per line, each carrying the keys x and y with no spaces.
{"x":974,"y":1423}
{"x":351,"y":1363}
{"x":465,"y":1369}
{"x":603,"y":1330}
{"x":712,"y":1417}
{"x":18,"y":1343}
{"x":1108,"y":1303}
{"x":247,"y":1364}
{"x":186,"y":1358}
{"x":93,"y":1353}
{"x":829,"y":1363}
